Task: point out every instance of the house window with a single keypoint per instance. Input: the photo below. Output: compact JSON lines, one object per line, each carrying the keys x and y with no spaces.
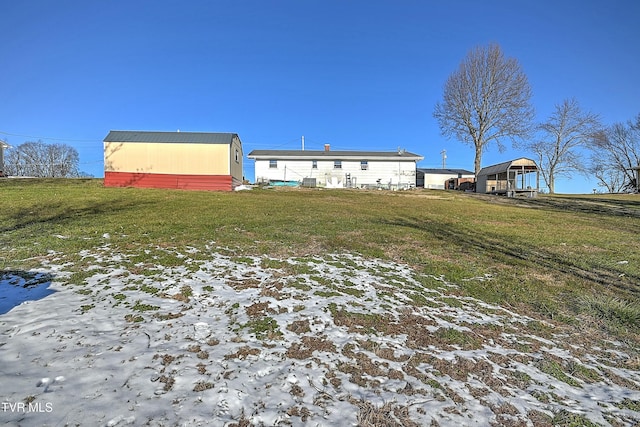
{"x":237,"y":156}
{"x":314,"y":164}
{"x":337,"y":164}
{"x":273,"y":164}
{"x":364,"y":165}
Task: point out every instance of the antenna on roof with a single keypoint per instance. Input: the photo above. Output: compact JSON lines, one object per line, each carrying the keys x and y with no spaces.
{"x":444,"y":159}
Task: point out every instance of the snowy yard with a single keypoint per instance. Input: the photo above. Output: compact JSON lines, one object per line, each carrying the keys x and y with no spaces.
{"x":210,"y":337}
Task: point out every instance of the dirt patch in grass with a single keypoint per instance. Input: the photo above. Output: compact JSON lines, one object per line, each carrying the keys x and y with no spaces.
{"x":243,"y":353}
{"x":259,"y":309}
{"x":308,"y":345}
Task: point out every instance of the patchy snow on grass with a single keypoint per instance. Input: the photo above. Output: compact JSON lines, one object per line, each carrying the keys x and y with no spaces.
{"x":211,"y":338}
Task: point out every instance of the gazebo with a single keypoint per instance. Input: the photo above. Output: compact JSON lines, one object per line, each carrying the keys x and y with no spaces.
{"x":512,"y":178}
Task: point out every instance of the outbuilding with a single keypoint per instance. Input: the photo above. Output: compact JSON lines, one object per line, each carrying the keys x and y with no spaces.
{"x":184,"y":160}
{"x":515,"y":177}
{"x":441,"y":178}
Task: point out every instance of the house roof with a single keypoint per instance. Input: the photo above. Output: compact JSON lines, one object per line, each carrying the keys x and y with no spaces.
{"x":444,"y":171}
{"x":332,"y":155}
{"x":170,"y":137}
{"x":528,"y":164}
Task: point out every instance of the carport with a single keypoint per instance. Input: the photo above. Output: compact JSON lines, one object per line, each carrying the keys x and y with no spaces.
{"x":512,"y":178}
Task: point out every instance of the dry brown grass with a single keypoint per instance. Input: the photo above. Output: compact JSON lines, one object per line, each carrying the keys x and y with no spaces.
{"x":243,"y":353}
{"x":309,"y":344}
{"x":388,"y":415}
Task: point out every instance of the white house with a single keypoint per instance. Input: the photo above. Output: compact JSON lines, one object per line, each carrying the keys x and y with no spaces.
{"x":337,"y":169}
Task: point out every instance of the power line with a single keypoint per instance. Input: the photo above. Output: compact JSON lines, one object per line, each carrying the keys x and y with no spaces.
{"x":48,"y":138}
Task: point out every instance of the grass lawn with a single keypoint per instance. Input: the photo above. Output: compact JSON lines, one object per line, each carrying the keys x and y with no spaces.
{"x":559,"y":256}
{"x":439,"y":303}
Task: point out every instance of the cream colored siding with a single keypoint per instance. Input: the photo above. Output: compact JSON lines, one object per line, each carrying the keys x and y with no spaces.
{"x":235,"y":158}
{"x":171,"y":158}
{"x":436,"y":181}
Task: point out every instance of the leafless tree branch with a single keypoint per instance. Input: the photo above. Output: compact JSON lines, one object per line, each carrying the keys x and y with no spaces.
{"x":486,"y":100}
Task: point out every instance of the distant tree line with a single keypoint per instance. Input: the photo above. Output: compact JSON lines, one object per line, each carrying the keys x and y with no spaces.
{"x":487,"y":100}
{"x":38,"y":159}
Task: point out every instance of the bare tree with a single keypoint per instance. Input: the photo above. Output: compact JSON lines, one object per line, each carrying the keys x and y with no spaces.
{"x":563,"y":135}
{"x":486,"y":100}
{"x":612,"y":179}
{"x":616,"y":150}
{"x":42,"y":160}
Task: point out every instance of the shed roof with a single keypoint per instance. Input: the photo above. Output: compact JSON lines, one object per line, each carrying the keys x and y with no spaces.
{"x":332,"y":155}
{"x":170,"y":137}
{"x":505,"y":166}
{"x":445,"y":171}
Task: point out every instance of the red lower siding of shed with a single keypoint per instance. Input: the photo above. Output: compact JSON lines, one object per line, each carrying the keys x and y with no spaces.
{"x":158,"y":180}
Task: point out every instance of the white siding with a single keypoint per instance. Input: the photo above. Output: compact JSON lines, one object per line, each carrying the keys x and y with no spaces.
{"x":436,"y":181}
{"x":388,"y":172}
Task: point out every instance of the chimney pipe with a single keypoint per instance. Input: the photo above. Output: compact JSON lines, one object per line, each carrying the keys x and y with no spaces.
{"x":327,"y":147}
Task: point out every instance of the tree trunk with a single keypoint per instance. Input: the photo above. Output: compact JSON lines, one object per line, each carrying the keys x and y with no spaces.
{"x":552,"y":184}
{"x":478,"y":160}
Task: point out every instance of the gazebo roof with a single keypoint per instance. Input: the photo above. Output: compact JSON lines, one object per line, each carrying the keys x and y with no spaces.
{"x":520,"y":163}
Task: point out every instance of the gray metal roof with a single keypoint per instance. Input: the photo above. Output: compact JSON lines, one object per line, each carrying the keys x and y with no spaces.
{"x":170,"y":137}
{"x":504,"y":166}
{"x":445,"y":171}
{"x":331,"y":155}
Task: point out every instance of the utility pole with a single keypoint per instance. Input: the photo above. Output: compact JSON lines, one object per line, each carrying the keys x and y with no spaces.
{"x":444,"y":158}
{"x":302,"y":142}
{"x":3,"y":145}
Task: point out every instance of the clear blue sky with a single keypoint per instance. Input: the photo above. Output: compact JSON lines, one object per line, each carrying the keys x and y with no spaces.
{"x":357,"y":74}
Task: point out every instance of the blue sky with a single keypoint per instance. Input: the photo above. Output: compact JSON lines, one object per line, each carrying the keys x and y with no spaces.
{"x":359,"y":75}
